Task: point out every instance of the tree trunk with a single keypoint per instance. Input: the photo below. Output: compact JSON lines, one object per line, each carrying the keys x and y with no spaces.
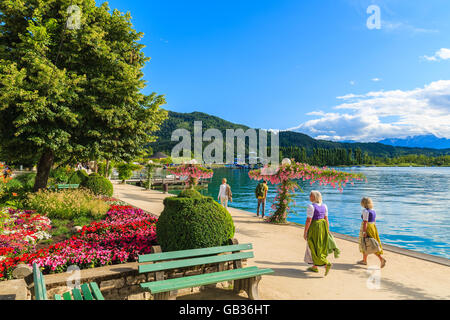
{"x":43,"y":170}
{"x":107,"y":169}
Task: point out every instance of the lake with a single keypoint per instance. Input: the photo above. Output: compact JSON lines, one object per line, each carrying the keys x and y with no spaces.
{"x":412,"y":204}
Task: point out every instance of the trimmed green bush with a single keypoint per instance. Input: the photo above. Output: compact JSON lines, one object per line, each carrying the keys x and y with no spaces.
{"x":98,"y":185}
{"x":27,"y":180}
{"x":78,"y":177}
{"x":190,"y":193}
{"x":60,"y":175}
{"x":195,"y":221}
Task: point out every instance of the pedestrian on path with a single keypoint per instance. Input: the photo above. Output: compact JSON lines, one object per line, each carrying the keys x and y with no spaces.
{"x":261,"y":195}
{"x":369,"y":229}
{"x":224,"y":193}
{"x":320,"y":243}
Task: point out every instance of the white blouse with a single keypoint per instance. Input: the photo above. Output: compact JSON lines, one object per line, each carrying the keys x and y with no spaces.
{"x":223,"y":190}
{"x":310,"y":211}
{"x":365,"y":214}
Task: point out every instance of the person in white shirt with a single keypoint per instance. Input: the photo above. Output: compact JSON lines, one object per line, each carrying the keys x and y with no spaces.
{"x":224,"y":193}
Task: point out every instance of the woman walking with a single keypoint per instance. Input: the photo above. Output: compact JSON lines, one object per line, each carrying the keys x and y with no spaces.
{"x":224,"y":193}
{"x":319,"y":240}
{"x":369,"y":229}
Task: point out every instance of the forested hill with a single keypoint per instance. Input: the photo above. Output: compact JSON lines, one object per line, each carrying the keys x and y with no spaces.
{"x":288,"y":139}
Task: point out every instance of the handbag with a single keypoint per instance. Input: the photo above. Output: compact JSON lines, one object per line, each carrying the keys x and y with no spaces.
{"x":370,"y":245}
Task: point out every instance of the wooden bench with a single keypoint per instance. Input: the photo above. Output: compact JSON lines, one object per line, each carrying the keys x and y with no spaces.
{"x":165,"y":264}
{"x":89,"y":291}
{"x":67,"y":186}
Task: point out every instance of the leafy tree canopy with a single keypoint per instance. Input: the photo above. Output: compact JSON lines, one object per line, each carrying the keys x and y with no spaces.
{"x":72,"y":94}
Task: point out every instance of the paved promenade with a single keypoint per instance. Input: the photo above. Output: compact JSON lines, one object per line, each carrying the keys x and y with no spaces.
{"x":282,"y":247}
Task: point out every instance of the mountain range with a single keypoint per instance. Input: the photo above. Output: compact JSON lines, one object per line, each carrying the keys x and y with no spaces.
{"x":423,"y":141}
{"x":177,"y":120}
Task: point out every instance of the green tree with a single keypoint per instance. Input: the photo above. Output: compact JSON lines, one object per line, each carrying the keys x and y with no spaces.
{"x":70,"y":94}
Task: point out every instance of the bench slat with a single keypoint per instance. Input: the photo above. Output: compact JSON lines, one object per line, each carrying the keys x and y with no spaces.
{"x":203,"y":279}
{"x":193,"y":262}
{"x":96,"y":291}
{"x":77,"y":294}
{"x":86,"y":292}
{"x":67,"y":295}
{"x":40,"y":291}
{"x":154,"y":257}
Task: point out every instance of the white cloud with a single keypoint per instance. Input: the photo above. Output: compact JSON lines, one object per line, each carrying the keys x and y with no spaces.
{"x":405,"y":27}
{"x":352,"y":82}
{"x":385,"y":114}
{"x":376,"y":79}
{"x":441,"y":54}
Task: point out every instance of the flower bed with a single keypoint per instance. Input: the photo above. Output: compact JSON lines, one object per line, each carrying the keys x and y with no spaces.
{"x":125,"y":233}
{"x":20,"y":230}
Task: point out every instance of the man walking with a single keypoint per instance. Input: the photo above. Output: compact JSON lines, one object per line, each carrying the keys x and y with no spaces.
{"x":261,"y":195}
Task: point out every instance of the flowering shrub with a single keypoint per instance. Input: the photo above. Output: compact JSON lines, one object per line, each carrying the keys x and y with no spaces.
{"x":114,"y":202}
{"x":20,"y":230}
{"x":125,"y":233}
{"x":288,"y":172}
{"x":193,"y":173}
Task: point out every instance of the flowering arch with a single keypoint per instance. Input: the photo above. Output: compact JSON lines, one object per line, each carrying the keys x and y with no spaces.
{"x":285,"y":175}
{"x":193,"y":172}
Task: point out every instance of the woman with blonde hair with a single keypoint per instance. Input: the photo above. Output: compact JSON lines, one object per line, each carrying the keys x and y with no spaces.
{"x":320,"y":243}
{"x":224,"y":193}
{"x":369,"y":229}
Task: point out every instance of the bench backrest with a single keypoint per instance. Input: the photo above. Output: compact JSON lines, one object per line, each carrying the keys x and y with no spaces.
{"x":68,"y":186}
{"x":40,"y":291}
{"x":194,"y":257}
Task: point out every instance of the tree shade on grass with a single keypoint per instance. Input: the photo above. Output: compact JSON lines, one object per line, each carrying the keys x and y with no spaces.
{"x":69,"y":95}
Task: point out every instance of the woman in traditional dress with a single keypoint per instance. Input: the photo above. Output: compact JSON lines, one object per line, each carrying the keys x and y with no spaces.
{"x":320,"y":243}
{"x":369,"y":229}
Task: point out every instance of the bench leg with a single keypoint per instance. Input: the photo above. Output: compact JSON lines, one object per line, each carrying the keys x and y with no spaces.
{"x":251,"y":287}
{"x":237,"y":286}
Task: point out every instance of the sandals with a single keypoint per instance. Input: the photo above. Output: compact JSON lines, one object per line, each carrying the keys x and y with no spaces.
{"x":362,"y":262}
{"x":312,"y":269}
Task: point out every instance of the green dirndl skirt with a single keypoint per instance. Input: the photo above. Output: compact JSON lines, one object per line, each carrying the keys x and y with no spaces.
{"x":372,"y":232}
{"x":319,"y":242}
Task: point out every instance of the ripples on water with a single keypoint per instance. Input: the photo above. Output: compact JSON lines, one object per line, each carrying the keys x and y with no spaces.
{"x":412,"y":204}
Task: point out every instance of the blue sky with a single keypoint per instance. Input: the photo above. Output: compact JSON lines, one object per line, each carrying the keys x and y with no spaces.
{"x":311,"y":66}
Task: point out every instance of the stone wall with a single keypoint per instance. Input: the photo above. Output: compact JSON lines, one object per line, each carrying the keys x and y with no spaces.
{"x":116,"y":282}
